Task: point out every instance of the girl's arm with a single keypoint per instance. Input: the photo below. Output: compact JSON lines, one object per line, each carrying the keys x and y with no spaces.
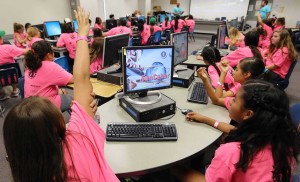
{"x":20,"y":40}
{"x":82,"y":85}
{"x":259,"y":19}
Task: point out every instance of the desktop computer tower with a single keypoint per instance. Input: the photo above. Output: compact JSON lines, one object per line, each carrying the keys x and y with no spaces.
{"x":183,"y":78}
{"x":144,"y":113}
{"x":114,"y":78}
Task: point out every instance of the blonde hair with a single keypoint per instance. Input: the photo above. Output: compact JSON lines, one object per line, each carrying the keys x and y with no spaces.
{"x":234,"y":35}
{"x":96,"y":48}
{"x":32,"y":32}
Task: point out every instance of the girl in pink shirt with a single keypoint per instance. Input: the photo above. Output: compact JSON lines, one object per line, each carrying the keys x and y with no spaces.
{"x":211,"y":57}
{"x":236,"y":38}
{"x":265,"y":30}
{"x":43,"y":76}
{"x":99,"y":24}
{"x":279,"y":24}
{"x":129,"y":21}
{"x":153,"y":27}
{"x":96,"y":53}
{"x":121,"y":29}
{"x":144,"y":31}
{"x":190,"y":22}
{"x":262,"y":147}
{"x":33,"y":35}
{"x":166,"y":24}
{"x":68,"y":39}
{"x":248,"y":68}
{"x":177,"y":24}
{"x":96,"y":33}
{"x":250,"y":50}
{"x":280,"y":55}
{"x":72,"y":154}
{"x":19,"y":35}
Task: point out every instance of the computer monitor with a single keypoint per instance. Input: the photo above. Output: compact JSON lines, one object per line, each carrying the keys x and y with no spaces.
{"x":162,"y":18}
{"x":147,"y":68}
{"x":110,"y":23}
{"x":75,"y":25}
{"x":170,"y":16}
{"x":221,"y":37}
{"x":227,"y":28}
{"x":142,"y":17}
{"x":234,"y":22}
{"x":180,"y":42}
{"x":112,"y":49}
{"x":134,"y":21}
{"x":41,"y":29}
{"x":52,"y":28}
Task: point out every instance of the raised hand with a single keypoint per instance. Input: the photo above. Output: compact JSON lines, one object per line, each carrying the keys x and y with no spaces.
{"x":82,"y":18}
{"x":224,"y":66}
{"x":202,"y":73}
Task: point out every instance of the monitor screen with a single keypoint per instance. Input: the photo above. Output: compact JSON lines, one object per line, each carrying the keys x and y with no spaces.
{"x":162,"y":18}
{"x":221,"y":37}
{"x":147,"y":68}
{"x":134,"y":21}
{"x":111,"y":24}
{"x":75,"y":25}
{"x":180,"y":42}
{"x":112,"y":50}
{"x":52,"y":28}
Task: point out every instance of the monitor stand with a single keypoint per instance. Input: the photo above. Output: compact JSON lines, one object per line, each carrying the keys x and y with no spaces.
{"x":118,"y":70}
{"x":147,"y":101}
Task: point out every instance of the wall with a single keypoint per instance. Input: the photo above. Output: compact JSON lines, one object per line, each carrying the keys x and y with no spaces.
{"x":166,"y":6}
{"x":95,"y":7}
{"x":290,"y":12}
{"x":33,"y":11}
{"x":120,"y":8}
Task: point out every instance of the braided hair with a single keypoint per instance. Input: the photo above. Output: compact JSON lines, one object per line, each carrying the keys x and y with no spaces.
{"x":270,"y":124}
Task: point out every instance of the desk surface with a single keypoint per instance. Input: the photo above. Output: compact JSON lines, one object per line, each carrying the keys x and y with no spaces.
{"x":136,"y":158}
{"x":193,"y":61}
{"x":102,"y":89}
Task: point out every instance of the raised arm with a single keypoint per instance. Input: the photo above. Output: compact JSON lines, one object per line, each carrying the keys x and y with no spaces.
{"x":81,"y":73}
{"x":259,"y":20}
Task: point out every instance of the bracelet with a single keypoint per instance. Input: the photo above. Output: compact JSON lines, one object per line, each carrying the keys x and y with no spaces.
{"x":216,"y":124}
{"x":82,"y":38}
{"x":220,"y":84}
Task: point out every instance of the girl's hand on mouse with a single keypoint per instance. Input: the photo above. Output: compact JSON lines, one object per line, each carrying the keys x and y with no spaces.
{"x":193,"y":116}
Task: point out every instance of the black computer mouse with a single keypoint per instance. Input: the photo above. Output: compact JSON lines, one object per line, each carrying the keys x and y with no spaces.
{"x":185,"y":111}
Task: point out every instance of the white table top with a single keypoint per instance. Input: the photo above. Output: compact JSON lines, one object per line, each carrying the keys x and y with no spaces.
{"x":135,"y":158}
{"x":193,"y":61}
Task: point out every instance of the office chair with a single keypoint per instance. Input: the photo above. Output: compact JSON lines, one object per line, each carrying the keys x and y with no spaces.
{"x":185,"y":29}
{"x":136,"y":40}
{"x":157,"y":37}
{"x":285,"y":83}
{"x":150,"y":40}
{"x":191,"y":34}
{"x":296,"y":39}
{"x":12,"y":65}
{"x":63,"y":62}
{"x":167,"y":34}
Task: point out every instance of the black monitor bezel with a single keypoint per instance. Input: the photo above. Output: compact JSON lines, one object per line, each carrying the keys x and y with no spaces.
{"x":47,"y":35}
{"x":115,"y":22}
{"x":105,"y":45}
{"x":187,"y":43}
{"x":134,"y":21}
{"x":126,"y":92}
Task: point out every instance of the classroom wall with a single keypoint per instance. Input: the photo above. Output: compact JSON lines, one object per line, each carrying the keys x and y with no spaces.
{"x":290,"y":11}
{"x":120,"y":8}
{"x":33,"y":11}
{"x":95,"y":7}
{"x":166,"y":6}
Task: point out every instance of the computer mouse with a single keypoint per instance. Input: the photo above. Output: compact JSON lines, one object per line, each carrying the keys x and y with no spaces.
{"x":185,"y":111}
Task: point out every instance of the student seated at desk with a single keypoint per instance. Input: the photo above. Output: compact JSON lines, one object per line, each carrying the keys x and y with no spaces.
{"x":236,"y":38}
{"x":248,"y":68}
{"x":19,"y":35}
{"x":68,"y":39}
{"x":99,"y":24}
{"x":96,"y":53}
{"x":279,"y":24}
{"x":265,"y":32}
{"x":121,"y":29}
{"x":177,"y":24}
{"x":144,"y":31}
{"x":190,"y":22}
{"x":264,"y":145}
{"x":96,"y":33}
{"x":211,"y":57}
{"x":166,"y":24}
{"x":75,"y":153}
{"x":153,"y":27}
{"x":43,"y":76}
{"x":7,"y":54}
{"x":33,"y":35}
{"x":129,"y":21}
{"x":250,"y":50}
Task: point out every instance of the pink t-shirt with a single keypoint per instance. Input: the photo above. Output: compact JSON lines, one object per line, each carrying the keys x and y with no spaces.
{"x":22,"y":37}
{"x":128,"y":23}
{"x":278,"y":27}
{"x":155,"y":29}
{"x":215,"y":77}
{"x":91,"y":32}
{"x":227,"y":101}
{"x":239,"y":43}
{"x":145,"y":34}
{"x":191,"y":24}
{"x":68,"y":40}
{"x":235,"y":88}
{"x":264,"y":42}
{"x":119,"y":30}
{"x":86,"y":148}
{"x":181,"y":23}
{"x":281,"y":59}
{"x":164,"y":27}
{"x":8,"y":52}
{"x":44,"y":81}
{"x":236,"y":56}
{"x":222,"y":167}
{"x":101,"y":27}
{"x":33,"y":40}
{"x":96,"y":65}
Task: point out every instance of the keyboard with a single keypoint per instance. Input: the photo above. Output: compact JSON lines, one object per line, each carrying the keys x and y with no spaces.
{"x":197,"y":93}
{"x":141,"y":132}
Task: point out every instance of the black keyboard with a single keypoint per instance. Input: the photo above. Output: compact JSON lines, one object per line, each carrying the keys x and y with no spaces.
{"x":141,"y":132}
{"x":197,"y":93}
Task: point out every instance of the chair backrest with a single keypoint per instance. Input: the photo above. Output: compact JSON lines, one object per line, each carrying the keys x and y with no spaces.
{"x":8,"y":76}
{"x":63,"y":62}
{"x":150,"y":40}
{"x":157,"y":37}
{"x":136,"y":40}
{"x":168,"y":32}
{"x":12,"y":65}
{"x":284,"y":83}
{"x":185,"y":29}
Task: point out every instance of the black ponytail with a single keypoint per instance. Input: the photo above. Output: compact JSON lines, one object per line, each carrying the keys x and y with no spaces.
{"x":256,"y":53}
{"x":140,"y":25}
{"x":212,"y":55}
{"x":176,"y":22}
{"x":37,"y":54}
{"x":166,"y":20}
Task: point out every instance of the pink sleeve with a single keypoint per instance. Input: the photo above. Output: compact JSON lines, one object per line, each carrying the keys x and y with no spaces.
{"x":15,"y":51}
{"x":235,"y":88}
{"x":280,"y":57}
{"x":59,"y":76}
{"x":214,"y":76}
{"x":234,"y":57}
{"x":60,"y":41}
{"x":89,"y":155}
{"x":110,"y":32}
